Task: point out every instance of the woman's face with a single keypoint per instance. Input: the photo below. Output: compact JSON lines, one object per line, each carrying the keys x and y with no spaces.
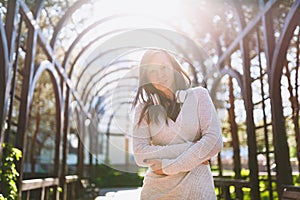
{"x":161,"y":73}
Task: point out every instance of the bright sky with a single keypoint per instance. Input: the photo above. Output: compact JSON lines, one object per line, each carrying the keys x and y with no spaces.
{"x":166,"y":9}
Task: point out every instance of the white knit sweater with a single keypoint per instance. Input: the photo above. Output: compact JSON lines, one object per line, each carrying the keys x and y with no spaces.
{"x":181,"y":150}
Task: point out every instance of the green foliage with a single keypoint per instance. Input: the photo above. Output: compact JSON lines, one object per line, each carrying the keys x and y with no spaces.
{"x":109,"y":177}
{"x":296,"y":179}
{"x":263,"y":186}
{"x":8,"y":172}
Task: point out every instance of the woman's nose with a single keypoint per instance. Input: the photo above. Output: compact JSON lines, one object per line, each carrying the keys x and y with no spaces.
{"x":167,"y":71}
{"x":162,"y":74}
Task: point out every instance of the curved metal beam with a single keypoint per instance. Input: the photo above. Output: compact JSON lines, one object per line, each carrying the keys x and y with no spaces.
{"x":87,"y":90}
{"x":284,"y":173}
{"x":110,"y":50}
{"x":66,"y":60}
{"x":106,"y":101}
{"x":64,"y":19}
{"x":247,"y":96}
{"x":47,"y":66}
{"x":89,"y":65}
{"x":247,"y":29}
{"x":81,"y":35}
{"x":232,"y":73}
{"x":37,"y":8}
{"x":105,"y":85}
{"x":4,"y":69}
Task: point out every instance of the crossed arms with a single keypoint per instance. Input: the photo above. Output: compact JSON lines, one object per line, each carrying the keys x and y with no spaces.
{"x":176,"y":158}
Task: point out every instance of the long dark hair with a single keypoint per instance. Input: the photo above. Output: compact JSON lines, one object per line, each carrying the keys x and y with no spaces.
{"x":146,"y":91}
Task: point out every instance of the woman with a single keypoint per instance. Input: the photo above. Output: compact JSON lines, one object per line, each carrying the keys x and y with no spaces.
{"x":176,"y":131}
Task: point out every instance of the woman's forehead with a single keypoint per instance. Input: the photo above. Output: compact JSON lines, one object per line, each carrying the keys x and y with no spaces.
{"x":159,"y":57}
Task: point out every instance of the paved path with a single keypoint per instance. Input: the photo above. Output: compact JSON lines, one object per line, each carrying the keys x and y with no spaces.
{"x":120,"y":194}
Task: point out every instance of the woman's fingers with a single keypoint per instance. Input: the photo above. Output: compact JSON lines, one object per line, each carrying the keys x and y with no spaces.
{"x":159,"y":172}
{"x":205,"y":162}
{"x":155,"y":164}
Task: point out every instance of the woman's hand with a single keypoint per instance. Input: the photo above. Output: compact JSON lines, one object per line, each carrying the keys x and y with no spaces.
{"x":156,"y":166}
{"x":205,"y":162}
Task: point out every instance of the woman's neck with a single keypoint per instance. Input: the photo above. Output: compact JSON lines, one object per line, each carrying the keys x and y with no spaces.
{"x":169,"y":94}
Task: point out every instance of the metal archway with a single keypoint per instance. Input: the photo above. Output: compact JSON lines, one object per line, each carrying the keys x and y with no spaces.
{"x":262,"y":37}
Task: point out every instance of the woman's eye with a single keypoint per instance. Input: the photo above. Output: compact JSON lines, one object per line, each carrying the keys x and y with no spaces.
{"x":166,"y":67}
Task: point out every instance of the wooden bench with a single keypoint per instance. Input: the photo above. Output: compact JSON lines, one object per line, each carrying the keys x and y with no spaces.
{"x":40,"y":184}
{"x":290,"y":192}
{"x":41,"y":187}
{"x":225,"y":183}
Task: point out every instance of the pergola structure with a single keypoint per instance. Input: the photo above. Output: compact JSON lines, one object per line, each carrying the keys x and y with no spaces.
{"x":254,"y":83}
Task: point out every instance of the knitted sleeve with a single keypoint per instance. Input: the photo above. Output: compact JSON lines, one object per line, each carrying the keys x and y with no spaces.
{"x":143,"y":149}
{"x":208,"y":146}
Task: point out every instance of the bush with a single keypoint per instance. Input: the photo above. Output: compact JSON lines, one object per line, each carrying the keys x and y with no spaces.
{"x":8,"y":172}
{"x":109,"y":177}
